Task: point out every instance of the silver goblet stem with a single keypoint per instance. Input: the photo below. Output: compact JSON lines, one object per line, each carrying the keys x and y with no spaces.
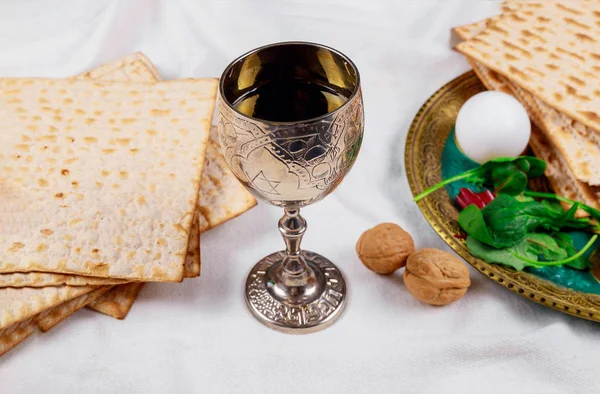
{"x":292,"y":227}
{"x":294,"y":281}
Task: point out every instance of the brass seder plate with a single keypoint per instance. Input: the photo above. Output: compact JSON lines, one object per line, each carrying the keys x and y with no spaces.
{"x":424,"y":145}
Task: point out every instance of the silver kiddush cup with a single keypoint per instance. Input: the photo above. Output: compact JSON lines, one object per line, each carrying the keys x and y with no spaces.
{"x":290,"y":127}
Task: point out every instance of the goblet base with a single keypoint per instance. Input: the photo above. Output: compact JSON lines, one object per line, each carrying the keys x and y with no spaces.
{"x":311,"y":305}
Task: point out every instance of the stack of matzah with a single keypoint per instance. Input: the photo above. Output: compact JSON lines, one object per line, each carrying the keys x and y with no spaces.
{"x":547,"y":54}
{"x":106,"y":182}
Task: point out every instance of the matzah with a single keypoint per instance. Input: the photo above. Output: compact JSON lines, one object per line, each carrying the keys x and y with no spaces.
{"x":134,"y":67}
{"x":118,"y":301}
{"x":15,"y":334}
{"x":549,"y":49}
{"x":135,"y":136}
{"x":17,"y":305}
{"x":41,"y":279}
{"x":48,"y":319}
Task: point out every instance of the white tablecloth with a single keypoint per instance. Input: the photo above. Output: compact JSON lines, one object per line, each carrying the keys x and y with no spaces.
{"x":199,"y":336}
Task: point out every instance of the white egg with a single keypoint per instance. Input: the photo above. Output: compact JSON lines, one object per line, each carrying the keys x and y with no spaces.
{"x":491,"y":125}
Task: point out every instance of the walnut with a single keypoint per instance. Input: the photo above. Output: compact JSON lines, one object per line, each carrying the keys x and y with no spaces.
{"x":384,"y":248}
{"x":436,"y":277}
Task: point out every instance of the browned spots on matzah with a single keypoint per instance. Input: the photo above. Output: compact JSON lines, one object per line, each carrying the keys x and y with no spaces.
{"x":46,"y":232}
{"x":573,"y":22}
{"x":16,"y":246}
{"x":558,"y":96}
{"x":576,"y":80}
{"x":41,"y":247}
{"x":584,"y":37}
{"x":543,"y":19}
{"x":573,"y":92}
{"x":553,"y":56}
{"x":509,"y":56}
{"x":590,"y":115}
{"x":516,"y":17}
{"x":532,"y":35}
{"x":521,"y":74}
{"x":569,"y":53}
{"x":99,"y":269}
{"x":498,"y":29}
{"x":565,"y":8}
{"x":158,"y":271}
{"x":178,"y":227}
{"x":585,"y":169}
{"x":517,"y":49}
{"x":159,"y":112}
{"x":139,"y":270}
{"x":216,"y":181}
{"x":42,"y":182}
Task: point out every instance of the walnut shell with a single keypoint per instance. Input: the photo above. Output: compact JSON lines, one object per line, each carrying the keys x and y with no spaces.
{"x":436,"y":277}
{"x":384,"y":248}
